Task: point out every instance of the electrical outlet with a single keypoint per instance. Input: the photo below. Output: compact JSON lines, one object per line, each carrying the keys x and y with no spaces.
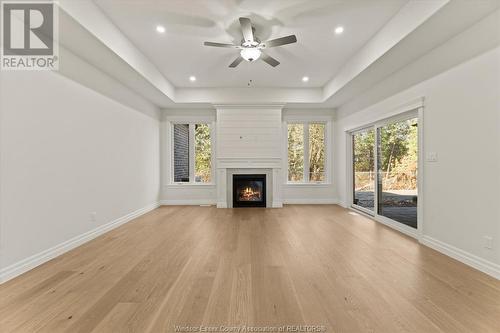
{"x":488,"y":242}
{"x":93,"y":216}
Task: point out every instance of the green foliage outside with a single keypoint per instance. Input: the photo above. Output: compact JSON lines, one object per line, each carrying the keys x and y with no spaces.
{"x":203,"y":153}
{"x":398,"y":156}
{"x":316,"y":152}
{"x":364,"y":160}
{"x":295,"y":152}
{"x":364,"y":154}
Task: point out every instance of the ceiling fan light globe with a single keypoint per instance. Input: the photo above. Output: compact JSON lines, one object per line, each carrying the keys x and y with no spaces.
{"x":250,"y":54}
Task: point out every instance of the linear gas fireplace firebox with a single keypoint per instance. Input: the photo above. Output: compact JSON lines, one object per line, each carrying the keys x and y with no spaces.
{"x":249,"y":190}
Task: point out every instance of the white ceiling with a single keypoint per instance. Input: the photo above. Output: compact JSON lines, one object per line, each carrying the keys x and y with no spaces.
{"x":179,"y":53}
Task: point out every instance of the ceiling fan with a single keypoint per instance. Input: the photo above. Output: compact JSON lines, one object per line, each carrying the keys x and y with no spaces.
{"x":251,"y":47}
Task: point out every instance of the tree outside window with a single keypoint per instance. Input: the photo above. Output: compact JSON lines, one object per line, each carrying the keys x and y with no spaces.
{"x":316,"y":152}
{"x":306,"y":151}
{"x":203,"y":153}
{"x":295,"y":152}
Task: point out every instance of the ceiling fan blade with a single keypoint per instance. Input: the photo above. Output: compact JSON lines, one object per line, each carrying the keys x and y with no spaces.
{"x":246,"y":28}
{"x":280,"y":41}
{"x":270,"y":60}
{"x":236,"y":62}
{"x":220,"y":45}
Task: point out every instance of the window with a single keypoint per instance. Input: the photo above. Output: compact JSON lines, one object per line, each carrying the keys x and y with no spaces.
{"x":203,"y":153}
{"x":317,"y":152}
{"x":306,"y":152}
{"x":192,"y":153}
{"x":295,"y":152}
{"x":181,"y":153}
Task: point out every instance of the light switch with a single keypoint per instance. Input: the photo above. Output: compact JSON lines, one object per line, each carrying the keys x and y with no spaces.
{"x":431,"y":157}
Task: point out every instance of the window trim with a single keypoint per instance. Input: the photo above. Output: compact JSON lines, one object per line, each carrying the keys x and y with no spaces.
{"x":192,"y":150}
{"x":327,"y":120}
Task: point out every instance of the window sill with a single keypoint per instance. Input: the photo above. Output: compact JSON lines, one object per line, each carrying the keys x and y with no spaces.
{"x":179,"y":185}
{"x":308,"y":184}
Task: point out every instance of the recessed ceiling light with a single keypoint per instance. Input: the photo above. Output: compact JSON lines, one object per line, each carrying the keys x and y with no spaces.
{"x":339,"y":30}
{"x":160,"y":29}
{"x":305,"y":79}
{"x":192,"y":78}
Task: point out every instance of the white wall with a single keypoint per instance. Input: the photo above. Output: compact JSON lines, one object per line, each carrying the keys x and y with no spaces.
{"x":246,"y":132}
{"x":461,"y":124}
{"x":67,"y":151}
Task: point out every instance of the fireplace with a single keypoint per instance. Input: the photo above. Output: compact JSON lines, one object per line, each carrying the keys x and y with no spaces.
{"x":249,"y":190}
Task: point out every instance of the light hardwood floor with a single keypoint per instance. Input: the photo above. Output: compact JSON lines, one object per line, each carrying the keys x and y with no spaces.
{"x":300,"y":265}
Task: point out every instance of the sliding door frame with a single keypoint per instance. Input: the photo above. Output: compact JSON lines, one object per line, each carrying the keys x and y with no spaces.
{"x":401,"y":114}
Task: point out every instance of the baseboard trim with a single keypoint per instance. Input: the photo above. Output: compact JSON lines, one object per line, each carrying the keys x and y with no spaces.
{"x":343,"y":204}
{"x":187,"y":202}
{"x":274,"y":204}
{"x":35,"y":260}
{"x":465,"y":257}
{"x":327,"y":201}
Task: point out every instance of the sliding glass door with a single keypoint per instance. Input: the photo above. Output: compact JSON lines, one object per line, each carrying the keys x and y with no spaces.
{"x":363,"y":143}
{"x":385,"y":169}
{"x":397,"y":162}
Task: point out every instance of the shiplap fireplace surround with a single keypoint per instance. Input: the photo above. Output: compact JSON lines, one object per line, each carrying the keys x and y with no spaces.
{"x":249,"y":141}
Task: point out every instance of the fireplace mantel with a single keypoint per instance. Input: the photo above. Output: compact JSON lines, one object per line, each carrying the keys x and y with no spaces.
{"x":269,"y":166}
{"x":241,"y":163}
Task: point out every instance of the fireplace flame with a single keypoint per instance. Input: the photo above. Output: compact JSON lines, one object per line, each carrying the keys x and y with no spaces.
{"x":248,"y":193}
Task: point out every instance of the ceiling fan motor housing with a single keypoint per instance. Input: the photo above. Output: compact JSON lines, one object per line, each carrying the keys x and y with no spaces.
{"x":254,"y":43}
